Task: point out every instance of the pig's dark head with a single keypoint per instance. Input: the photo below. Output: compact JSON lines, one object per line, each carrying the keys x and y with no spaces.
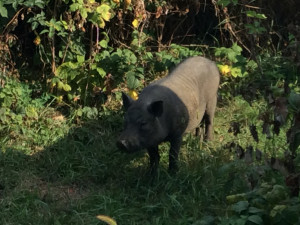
{"x":142,"y":125}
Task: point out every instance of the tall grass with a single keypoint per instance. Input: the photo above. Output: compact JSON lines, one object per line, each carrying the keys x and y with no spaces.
{"x":81,"y":174}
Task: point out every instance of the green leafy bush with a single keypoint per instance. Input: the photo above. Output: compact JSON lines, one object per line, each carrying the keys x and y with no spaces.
{"x":27,"y":123}
{"x":269,"y":204}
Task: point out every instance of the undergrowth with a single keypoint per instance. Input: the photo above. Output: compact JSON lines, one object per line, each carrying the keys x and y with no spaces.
{"x":77,"y":173}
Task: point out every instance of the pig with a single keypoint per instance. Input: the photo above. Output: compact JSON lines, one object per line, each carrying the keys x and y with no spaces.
{"x":168,"y":108}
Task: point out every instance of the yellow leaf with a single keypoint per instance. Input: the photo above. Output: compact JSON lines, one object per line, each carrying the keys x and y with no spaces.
{"x":107,"y":219}
{"x":37,"y":40}
{"x":67,"y":87}
{"x":133,"y":94}
{"x":60,"y":85}
{"x":59,"y":98}
{"x":116,"y":1}
{"x":104,"y":11}
{"x":127,"y":3}
{"x":135,"y":23}
{"x":101,"y":22}
{"x":224,"y":69}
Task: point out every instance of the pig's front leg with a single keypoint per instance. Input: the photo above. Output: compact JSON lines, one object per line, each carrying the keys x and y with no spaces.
{"x":154,"y":159}
{"x":173,"y":155}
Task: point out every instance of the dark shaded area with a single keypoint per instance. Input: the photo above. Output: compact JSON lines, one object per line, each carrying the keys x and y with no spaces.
{"x":197,"y":26}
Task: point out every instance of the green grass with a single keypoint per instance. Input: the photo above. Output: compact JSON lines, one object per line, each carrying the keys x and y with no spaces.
{"x":76,"y":173}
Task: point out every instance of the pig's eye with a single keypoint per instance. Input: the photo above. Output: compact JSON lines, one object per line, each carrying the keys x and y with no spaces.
{"x":143,"y":125}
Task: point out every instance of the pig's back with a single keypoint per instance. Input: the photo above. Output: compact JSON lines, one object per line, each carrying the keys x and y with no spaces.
{"x":195,"y":81}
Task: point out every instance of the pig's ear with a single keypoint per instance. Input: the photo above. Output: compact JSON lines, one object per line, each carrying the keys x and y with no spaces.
{"x":156,"y":108}
{"x":127,"y":101}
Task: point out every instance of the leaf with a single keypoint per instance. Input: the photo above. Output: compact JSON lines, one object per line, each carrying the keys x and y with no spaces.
{"x":251,"y":65}
{"x":101,"y":72}
{"x":34,"y":25}
{"x":277,"y":210}
{"x":107,"y":219}
{"x":103,"y":43}
{"x":255,"y":15}
{"x":80,"y":58}
{"x":101,"y":22}
{"x":40,"y":3}
{"x":74,"y":7}
{"x":135,"y":23}
{"x":133,"y":94}
{"x":79,"y":112}
{"x":127,"y":3}
{"x":240,"y":206}
{"x":132,"y":81}
{"x":141,"y":71}
{"x":83,"y":13}
{"x":255,"y":219}
{"x":235,"y":198}
{"x":3,"y":10}
{"x":232,"y":56}
{"x":3,"y":115}
{"x":294,"y":101}
{"x":19,"y":119}
{"x":149,"y":55}
{"x":236,"y":48}
{"x":60,"y":85}
{"x":31,"y":112}
{"x":90,"y":112}
{"x":44,"y":31}
{"x":224,"y":69}
{"x":255,"y":210}
{"x":236,"y":72}
{"x":241,"y":221}
{"x":67,"y":87}
{"x":104,"y":11}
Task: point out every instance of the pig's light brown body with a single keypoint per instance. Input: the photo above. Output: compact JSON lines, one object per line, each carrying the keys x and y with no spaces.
{"x":195,"y":81}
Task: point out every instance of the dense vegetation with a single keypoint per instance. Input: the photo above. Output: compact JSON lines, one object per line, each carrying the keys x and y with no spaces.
{"x":63,"y":66}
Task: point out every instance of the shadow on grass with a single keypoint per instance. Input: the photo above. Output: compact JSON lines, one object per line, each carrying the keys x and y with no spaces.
{"x":84,"y":163}
{"x":86,"y":155}
{"x":83,"y":175}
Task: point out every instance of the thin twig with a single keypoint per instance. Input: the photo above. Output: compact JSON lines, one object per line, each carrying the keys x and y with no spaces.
{"x":12,"y":20}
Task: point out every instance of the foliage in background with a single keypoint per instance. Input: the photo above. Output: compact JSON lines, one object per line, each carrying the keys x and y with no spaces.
{"x":27,"y":123}
{"x":70,"y":41}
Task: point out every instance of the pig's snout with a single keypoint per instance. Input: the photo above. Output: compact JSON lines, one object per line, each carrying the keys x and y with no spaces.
{"x":122,"y":144}
{"x":127,"y":145}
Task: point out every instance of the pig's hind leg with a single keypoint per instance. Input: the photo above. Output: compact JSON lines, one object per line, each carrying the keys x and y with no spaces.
{"x":209,"y":118}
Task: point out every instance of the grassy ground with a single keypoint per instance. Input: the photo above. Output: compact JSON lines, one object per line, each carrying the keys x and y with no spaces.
{"x":75,"y":173}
